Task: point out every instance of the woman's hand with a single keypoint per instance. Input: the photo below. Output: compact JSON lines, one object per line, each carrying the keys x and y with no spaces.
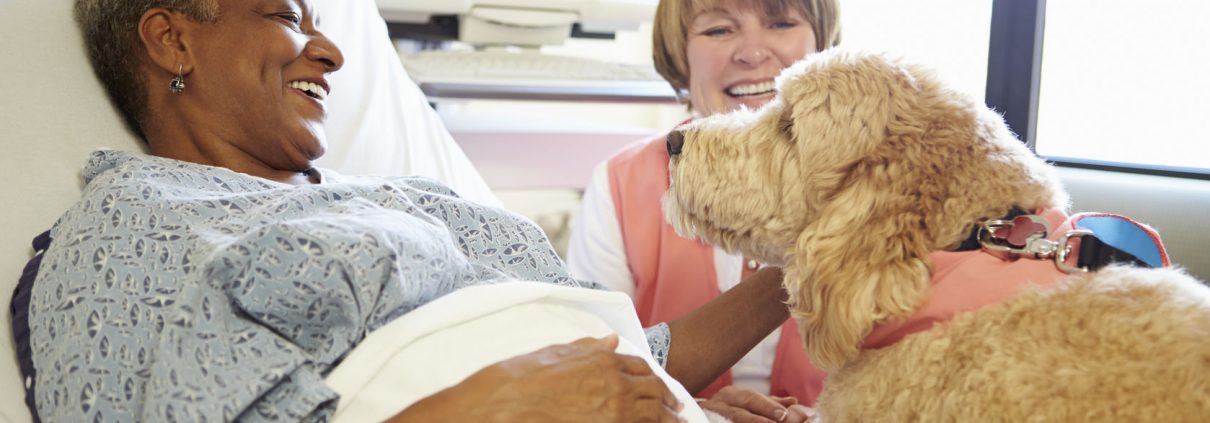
{"x":747,"y":406}
{"x":585,"y":381}
{"x":698,"y":355}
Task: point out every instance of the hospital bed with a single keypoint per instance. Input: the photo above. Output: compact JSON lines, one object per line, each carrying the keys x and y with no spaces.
{"x":55,"y":113}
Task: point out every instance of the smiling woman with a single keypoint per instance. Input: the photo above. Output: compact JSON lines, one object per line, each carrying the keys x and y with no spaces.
{"x":260,"y":112}
{"x":725,"y":53}
{"x":729,"y":72}
{"x":273,"y":93}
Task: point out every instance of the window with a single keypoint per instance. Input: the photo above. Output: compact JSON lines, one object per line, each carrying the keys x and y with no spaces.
{"x":1104,"y":84}
{"x":950,"y":36}
{"x":1125,"y":81}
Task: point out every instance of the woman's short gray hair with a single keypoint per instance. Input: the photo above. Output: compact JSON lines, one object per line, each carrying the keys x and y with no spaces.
{"x":111,"y":37}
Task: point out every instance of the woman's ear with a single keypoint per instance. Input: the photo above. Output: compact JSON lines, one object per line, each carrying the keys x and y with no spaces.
{"x":863,"y":262}
{"x":162,"y":34}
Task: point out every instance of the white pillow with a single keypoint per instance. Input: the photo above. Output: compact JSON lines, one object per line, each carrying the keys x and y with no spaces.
{"x":55,"y":112}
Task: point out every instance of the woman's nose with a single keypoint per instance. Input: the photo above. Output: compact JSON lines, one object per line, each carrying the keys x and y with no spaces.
{"x":323,"y":50}
{"x":754,"y":50}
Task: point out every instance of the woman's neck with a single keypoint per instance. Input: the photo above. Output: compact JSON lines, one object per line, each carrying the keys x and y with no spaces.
{"x":227,"y":156}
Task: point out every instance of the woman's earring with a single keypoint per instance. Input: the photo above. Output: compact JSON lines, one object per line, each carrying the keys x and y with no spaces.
{"x":178,"y":84}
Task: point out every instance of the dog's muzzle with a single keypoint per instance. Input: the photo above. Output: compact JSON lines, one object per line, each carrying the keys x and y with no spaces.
{"x":676,"y":140}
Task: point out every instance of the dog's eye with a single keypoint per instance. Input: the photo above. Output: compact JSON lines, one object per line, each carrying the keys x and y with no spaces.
{"x":786,"y":126}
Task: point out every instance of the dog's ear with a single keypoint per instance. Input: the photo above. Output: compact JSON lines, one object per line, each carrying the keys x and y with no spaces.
{"x":865,"y":261}
{"x":862,"y":258}
{"x":839,"y":105}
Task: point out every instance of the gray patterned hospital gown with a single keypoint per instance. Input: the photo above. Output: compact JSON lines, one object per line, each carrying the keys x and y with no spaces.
{"x":180,"y":292}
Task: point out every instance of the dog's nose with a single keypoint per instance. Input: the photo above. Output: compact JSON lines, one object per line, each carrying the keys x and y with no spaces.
{"x":676,"y":139}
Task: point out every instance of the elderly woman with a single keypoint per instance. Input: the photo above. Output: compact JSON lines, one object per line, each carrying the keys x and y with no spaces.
{"x":223,"y":276}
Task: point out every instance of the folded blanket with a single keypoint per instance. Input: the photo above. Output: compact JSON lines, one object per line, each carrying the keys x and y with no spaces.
{"x":440,"y":344}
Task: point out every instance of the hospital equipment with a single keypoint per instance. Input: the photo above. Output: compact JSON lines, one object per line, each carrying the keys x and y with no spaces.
{"x":522,"y":22}
{"x":523,"y":73}
{"x":524,"y":66}
{"x":529,"y":75}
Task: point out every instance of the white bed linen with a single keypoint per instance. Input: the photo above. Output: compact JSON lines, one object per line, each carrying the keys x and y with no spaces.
{"x":440,"y":344}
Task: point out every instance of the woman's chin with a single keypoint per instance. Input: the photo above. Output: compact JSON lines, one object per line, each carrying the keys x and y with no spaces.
{"x":308,"y":146}
{"x":317,"y":149}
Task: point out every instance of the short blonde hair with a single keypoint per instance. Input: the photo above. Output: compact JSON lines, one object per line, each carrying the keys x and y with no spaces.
{"x":673,"y":17}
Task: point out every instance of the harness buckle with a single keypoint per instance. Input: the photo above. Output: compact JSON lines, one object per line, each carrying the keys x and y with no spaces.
{"x":1065,"y":251}
{"x":1023,"y":236}
{"x":1041,"y":248}
{"x":1013,"y":239}
{"x":992,"y":240}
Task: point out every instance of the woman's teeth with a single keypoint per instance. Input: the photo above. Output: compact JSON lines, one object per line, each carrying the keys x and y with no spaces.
{"x":310,"y":88}
{"x":752,"y":89}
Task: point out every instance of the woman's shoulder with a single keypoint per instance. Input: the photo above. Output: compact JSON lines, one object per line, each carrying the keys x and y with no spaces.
{"x":105,"y":161}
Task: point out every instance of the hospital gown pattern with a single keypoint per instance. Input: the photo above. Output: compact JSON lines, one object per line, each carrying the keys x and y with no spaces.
{"x":180,"y":292}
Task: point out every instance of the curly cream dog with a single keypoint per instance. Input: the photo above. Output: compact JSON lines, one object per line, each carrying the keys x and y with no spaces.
{"x":863,"y":168}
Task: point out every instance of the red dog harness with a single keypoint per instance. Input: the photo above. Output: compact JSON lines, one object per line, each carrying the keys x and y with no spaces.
{"x":1021,"y":251}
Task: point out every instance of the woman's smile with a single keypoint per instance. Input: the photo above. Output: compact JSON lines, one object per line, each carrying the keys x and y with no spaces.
{"x":315,"y":93}
{"x":750,"y":93}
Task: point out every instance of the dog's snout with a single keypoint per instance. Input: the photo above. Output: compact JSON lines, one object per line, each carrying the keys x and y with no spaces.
{"x":676,"y":140}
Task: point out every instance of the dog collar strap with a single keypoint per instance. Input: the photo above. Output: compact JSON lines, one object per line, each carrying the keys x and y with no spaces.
{"x":1096,"y":240}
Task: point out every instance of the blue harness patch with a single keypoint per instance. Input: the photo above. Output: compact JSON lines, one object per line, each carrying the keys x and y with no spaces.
{"x":1139,"y":241}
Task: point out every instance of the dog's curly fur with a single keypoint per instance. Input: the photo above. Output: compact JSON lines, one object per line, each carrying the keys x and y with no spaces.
{"x":859,"y":169}
{"x":1120,"y":345}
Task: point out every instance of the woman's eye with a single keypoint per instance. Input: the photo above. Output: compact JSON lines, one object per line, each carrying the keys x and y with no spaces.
{"x":716,"y":32}
{"x":785,"y":25}
{"x":291,"y":18}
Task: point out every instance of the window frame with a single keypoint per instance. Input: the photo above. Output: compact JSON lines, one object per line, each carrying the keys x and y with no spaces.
{"x":1014,"y":67}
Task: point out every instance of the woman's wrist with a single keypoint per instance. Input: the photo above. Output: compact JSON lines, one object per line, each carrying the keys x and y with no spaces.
{"x":696,"y":356}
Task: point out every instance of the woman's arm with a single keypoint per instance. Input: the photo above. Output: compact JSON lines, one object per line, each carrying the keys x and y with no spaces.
{"x":709,"y":340}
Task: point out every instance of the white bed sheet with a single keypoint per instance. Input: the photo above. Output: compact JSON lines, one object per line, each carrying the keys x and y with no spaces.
{"x":440,"y":344}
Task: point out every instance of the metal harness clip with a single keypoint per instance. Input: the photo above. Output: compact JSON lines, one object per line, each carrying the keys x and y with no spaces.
{"x":1065,"y":251}
{"x":1005,"y":239}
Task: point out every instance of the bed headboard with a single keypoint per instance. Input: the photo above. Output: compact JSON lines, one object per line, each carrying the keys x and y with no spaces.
{"x":55,"y":113}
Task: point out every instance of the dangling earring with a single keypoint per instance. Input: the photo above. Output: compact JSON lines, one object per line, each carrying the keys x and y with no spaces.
{"x":178,"y":84}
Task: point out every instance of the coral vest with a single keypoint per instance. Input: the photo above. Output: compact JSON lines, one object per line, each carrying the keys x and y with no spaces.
{"x":674,"y":275}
